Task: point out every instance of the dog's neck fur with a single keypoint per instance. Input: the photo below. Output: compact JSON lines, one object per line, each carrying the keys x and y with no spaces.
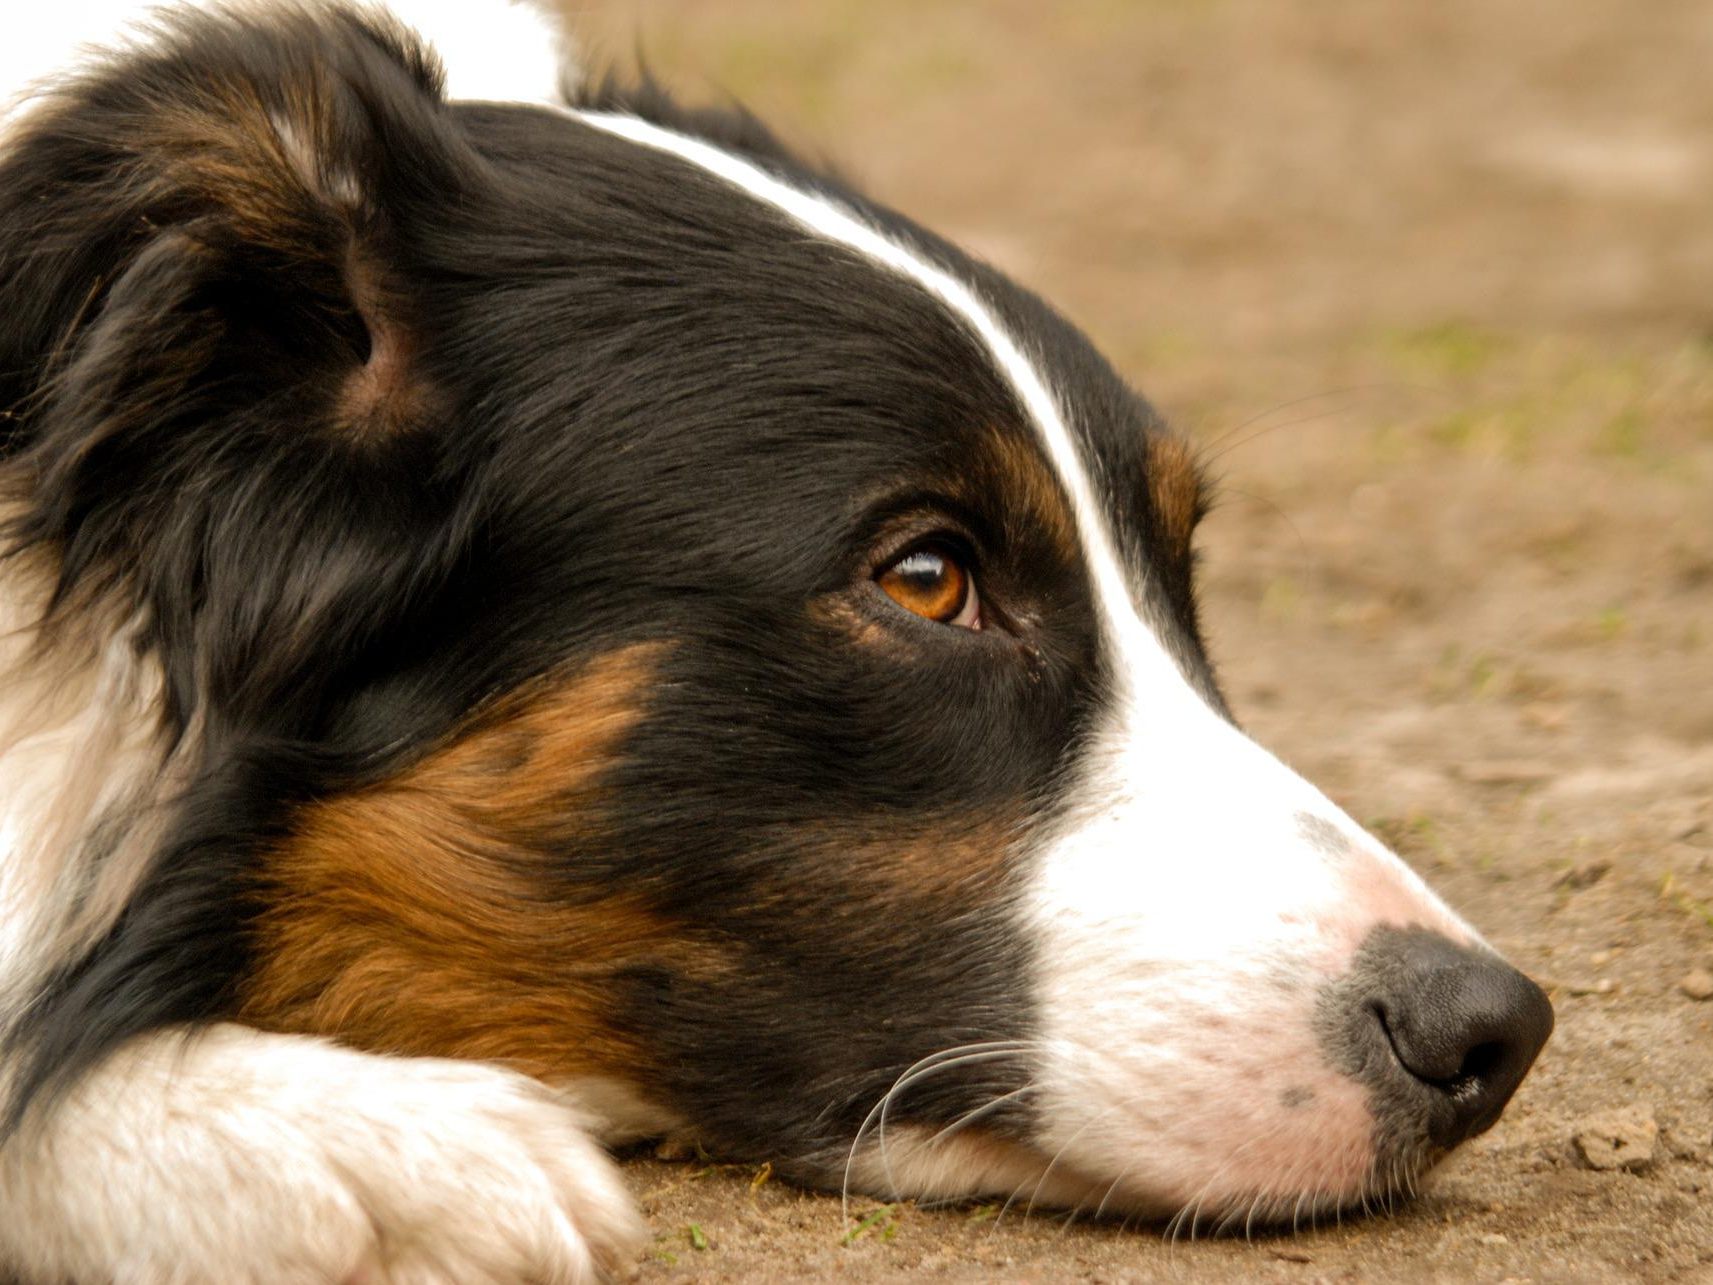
{"x":81,"y":745}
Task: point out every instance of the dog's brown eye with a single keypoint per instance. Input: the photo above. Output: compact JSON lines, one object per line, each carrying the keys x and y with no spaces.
{"x":931,"y":581}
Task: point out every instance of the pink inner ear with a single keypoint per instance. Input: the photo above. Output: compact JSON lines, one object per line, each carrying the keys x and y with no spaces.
{"x":379,"y":397}
{"x":382,"y":396}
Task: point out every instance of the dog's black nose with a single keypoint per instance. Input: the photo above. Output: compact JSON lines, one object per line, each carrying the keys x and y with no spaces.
{"x":1466,"y":1024}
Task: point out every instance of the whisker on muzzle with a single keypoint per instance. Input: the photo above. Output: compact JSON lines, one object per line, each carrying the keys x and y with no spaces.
{"x":915,"y":1073}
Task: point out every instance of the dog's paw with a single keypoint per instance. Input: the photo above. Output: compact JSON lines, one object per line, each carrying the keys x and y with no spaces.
{"x":247,"y":1157}
{"x":465,"y":1173}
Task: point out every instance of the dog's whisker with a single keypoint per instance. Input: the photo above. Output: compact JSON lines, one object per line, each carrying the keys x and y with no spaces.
{"x":977,"y":1113}
{"x":943,"y":1059}
{"x":1223,"y":445}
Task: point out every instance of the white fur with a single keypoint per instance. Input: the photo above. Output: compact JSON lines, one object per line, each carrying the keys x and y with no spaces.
{"x":1184,"y":918}
{"x":234,"y":1157}
{"x":81,"y":749}
{"x":1188,"y":923}
{"x":917,"y":1162}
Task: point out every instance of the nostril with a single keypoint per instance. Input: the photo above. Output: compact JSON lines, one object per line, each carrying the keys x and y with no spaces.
{"x":1378,"y":1008}
{"x":1479,"y":1063}
{"x":1482,"y":1060}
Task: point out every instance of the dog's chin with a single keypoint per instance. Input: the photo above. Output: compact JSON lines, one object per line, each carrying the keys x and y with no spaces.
{"x":918,"y":1162}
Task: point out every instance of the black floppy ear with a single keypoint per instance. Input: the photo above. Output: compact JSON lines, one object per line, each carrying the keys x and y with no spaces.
{"x":214,"y":401}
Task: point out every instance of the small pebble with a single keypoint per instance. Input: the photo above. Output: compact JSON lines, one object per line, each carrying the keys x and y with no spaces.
{"x":1681,"y":1145}
{"x":1605,"y":986}
{"x":1621,"y":1139}
{"x":1697,"y":983}
{"x":1600,"y":958}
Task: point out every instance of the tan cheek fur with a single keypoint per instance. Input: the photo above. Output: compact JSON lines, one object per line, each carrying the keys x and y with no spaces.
{"x":417,"y":916}
{"x":414,"y":917}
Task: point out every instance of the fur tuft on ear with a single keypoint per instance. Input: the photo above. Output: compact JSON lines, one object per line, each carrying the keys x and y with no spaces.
{"x":280,"y":157}
{"x":212,"y":397}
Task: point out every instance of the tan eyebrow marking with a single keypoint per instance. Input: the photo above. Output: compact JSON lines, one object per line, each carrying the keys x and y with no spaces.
{"x":1174,"y":488}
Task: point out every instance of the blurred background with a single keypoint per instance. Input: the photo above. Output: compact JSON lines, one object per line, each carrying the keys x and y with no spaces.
{"x":1432,"y":287}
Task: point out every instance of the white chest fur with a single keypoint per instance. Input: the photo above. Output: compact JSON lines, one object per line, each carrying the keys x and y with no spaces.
{"x":81,"y":750}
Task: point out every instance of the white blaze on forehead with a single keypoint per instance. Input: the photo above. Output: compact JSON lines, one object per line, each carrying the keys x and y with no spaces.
{"x":1138,"y":649}
{"x":840,"y":225}
{"x":836,"y":223}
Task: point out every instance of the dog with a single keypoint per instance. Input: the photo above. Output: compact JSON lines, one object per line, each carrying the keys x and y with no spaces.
{"x":532,"y":618}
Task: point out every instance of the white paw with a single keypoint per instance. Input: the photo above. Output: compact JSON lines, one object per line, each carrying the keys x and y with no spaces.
{"x":241,"y":1157}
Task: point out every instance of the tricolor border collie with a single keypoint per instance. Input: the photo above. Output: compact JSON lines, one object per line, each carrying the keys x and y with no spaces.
{"x":531,"y":623}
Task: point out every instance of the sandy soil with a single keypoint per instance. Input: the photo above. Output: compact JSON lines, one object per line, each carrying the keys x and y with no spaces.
{"x":1431,"y":284}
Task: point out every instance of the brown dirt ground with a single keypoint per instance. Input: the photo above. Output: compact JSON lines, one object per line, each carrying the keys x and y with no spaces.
{"x":1431,"y":284}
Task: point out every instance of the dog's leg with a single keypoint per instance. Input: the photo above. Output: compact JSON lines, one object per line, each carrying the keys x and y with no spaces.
{"x":234,"y":1156}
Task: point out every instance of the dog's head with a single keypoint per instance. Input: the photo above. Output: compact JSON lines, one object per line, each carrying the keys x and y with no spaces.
{"x":627,"y":606}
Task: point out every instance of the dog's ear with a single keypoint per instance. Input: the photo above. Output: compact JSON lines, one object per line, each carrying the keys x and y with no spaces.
{"x":214,"y":399}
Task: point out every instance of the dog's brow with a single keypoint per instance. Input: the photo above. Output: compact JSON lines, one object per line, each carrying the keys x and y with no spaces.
{"x":837,"y":223}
